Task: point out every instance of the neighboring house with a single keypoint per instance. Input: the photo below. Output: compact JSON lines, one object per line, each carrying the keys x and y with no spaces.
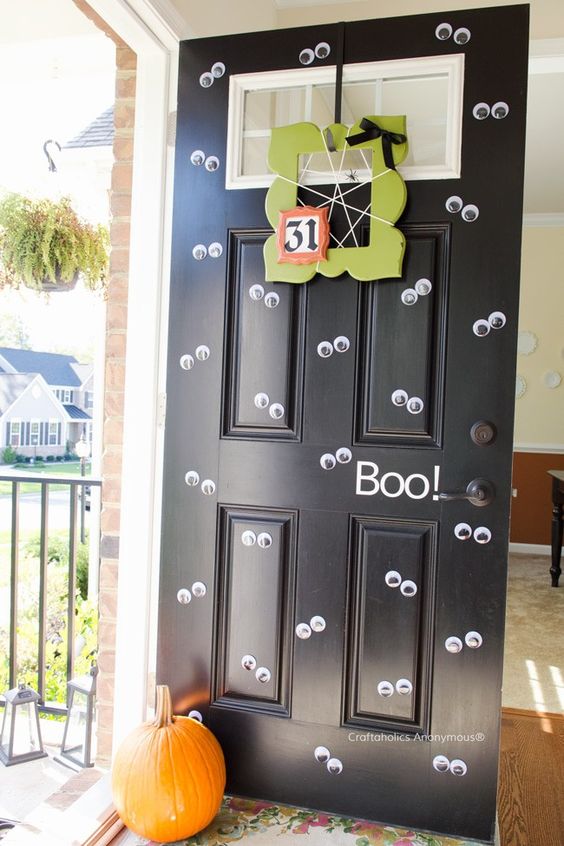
{"x":46,"y":400}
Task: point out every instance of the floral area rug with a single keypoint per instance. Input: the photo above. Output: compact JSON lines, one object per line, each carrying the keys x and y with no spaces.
{"x":270,"y":825}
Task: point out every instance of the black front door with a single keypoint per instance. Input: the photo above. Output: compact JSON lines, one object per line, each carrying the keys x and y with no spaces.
{"x":337,"y":622}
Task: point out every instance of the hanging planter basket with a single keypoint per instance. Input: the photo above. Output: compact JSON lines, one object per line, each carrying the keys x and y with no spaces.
{"x":46,"y":246}
{"x":49,"y":287}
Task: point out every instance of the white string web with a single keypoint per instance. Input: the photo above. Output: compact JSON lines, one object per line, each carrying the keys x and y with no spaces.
{"x":337,"y":198}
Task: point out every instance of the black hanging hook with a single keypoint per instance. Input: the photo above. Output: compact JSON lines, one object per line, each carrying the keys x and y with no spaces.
{"x":339,"y":61}
{"x":50,"y":160}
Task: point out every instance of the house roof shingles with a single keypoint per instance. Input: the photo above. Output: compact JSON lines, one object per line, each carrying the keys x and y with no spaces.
{"x":11,"y":386}
{"x":55,"y":368}
{"x":100,"y":133}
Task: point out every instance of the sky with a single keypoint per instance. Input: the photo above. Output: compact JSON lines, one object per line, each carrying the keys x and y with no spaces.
{"x":52,"y":88}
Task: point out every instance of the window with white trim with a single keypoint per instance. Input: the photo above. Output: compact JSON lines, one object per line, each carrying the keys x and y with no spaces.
{"x":53,"y":432}
{"x":428,"y":90}
{"x":15,"y":433}
{"x":34,"y":430}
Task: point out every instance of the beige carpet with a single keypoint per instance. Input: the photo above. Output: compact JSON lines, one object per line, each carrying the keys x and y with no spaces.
{"x":533,"y":672}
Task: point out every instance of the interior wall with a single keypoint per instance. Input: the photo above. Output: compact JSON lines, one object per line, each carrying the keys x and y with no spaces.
{"x":539,"y":413}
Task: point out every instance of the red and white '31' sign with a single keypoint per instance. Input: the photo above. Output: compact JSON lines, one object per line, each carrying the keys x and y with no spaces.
{"x":303,"y":235}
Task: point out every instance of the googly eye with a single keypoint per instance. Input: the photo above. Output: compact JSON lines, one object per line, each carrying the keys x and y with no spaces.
{"x":327,"y":461}
{"x":481,"y":111}
{"x":399,"y":397}
{"x":186,"y":362}
{"x":192,"y":478}
{"x":392,"y":578}
{"x":454,"y":204}
{"x":497,"y":320}
{"x":325,"y":349}
{"x":276,"y":411}
{"x":408,"y":588}
{"x":248,"y":662}
{"x":463,"y":531}
{"x":443,"y":31}
{"x":271,"y":300}
{"x":482,"y":534}
{"x":462,"y":35}
{"x":341,"y":343}
{"x":473,"y":640}
{"x":264,"y":540}
{"x":262,"y":400}
{"x":317,"y":623}
{"x":335,"y":766}
{"x":196,"y":715}
{"x":453,"y":645}
{"x":404,"y":687}
{"x":500,"y":110}
{"x":409,"y":296}
{"x":441,"y":764}
{"x":423,"y":287}
{"x":206,"y":80}
{"x":385,"y":688}
{"x":202,"y":352}
{"x":303,"y":631}
{"x":198,"y":157}
{"x":212,"y":163}
{"x":208,"y":487}
{"x":215,"y":249}
{"x":470,"y":213}
{"x":307,"y":56}
{"x":248,"y":538}
{"x":256,"y":292}
{"x":458,"y":767}
{"x":199,"y":590}
{"x":321,"y":754}
{"x":481,"y":328}
{"x":343,"y":455}
{"x":263,"y":675}
{"x":218,"y":69}
{"x":415,"y":405}
{"x":199,"y":252}
{"x":322,"y":50}
{"x":184,"y":596}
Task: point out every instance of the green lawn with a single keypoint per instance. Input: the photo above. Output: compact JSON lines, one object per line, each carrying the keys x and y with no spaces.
{"x":60,"y":468}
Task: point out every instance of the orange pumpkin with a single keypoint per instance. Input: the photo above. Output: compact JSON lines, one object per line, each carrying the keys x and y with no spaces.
{"x":168,"y":776}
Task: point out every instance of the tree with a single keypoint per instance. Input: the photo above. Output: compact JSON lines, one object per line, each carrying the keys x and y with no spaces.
{"x":14,"y":332}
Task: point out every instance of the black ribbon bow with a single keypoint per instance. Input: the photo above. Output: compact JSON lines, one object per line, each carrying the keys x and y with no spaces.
{"x":373,"y":131}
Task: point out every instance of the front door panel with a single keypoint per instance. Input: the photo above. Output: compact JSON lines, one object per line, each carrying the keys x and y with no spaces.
{"x":338,"y":623}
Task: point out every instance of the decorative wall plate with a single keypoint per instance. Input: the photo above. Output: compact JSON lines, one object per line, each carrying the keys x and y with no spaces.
{"x":527,"y":342}
{"x":552,"y":379}
{"x":520,"y":386}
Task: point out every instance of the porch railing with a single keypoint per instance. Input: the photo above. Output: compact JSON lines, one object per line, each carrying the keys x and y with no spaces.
{"x":78,"y":487}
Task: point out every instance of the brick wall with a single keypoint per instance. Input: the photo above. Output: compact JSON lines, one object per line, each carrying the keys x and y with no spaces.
{"x":116,"y":326}
{"x":116,"y":322}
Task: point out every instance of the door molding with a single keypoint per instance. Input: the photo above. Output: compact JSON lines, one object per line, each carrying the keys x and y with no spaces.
{"x":152,"y":28}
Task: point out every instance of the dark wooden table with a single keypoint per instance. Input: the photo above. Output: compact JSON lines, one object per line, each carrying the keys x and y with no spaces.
{"x":557,"y":504}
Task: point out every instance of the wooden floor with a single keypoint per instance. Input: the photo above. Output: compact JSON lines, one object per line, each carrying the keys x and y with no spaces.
{"x":531,"y":780}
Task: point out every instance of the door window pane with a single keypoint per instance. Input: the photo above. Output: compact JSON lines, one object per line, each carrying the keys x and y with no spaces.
{"x":427,"y":90}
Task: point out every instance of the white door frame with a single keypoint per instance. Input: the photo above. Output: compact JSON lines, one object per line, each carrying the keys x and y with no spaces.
{"x":152,"y":28}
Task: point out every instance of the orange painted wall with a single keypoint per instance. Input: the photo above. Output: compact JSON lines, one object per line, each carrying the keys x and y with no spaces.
{"x":531,"y":510}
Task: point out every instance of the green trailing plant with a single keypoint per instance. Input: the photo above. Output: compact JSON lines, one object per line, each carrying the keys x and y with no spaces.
{"x":46,"y":241}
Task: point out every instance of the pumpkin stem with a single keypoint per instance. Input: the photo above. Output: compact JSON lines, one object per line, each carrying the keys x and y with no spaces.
{"x":163,"y":710}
